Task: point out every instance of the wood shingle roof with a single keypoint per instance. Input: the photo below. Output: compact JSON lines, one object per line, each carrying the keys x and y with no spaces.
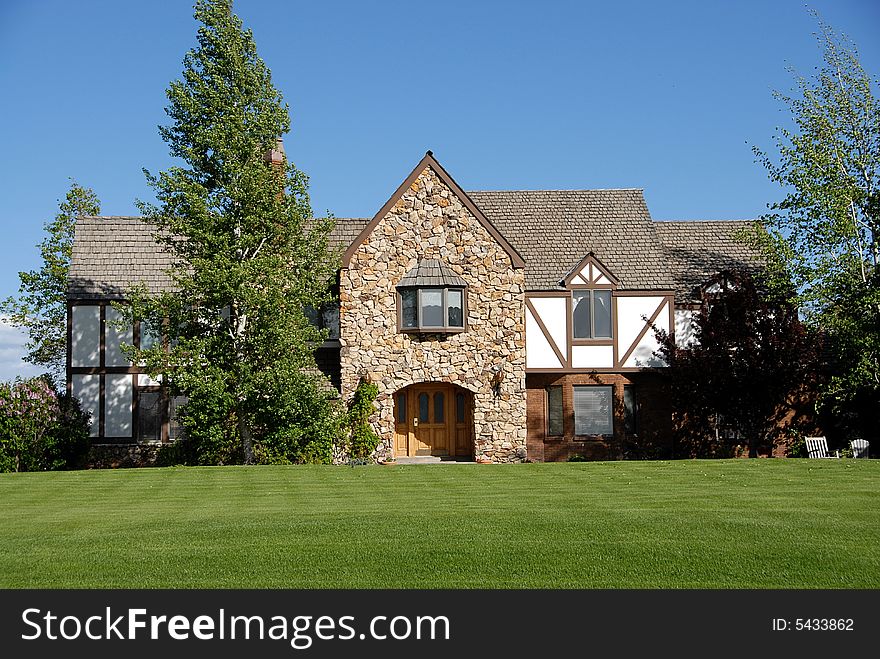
{"x":555,"y":229}
{"x":552,"y":230}
{"x":696,"y":249}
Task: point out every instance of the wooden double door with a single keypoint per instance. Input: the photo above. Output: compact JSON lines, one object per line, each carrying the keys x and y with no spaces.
{"x":433,"y":419}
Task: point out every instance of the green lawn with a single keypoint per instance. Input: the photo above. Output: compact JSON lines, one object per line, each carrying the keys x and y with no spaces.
{"x":685,"y":524}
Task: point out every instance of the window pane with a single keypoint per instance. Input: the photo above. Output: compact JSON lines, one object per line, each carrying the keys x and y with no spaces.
{"x":432,"y":307}
{"x":118,"y":391}
{"x":401,"y":408}
{"x":592,"y":410}
{"x":423,"y":407}
{"x":114,"y":339}
{"x":149,"y":416}
{"x":149,"y":335}
{"x":86,"y":336}
{"x":581,"y":314}
{"x":455,"y":311}
{"x":409,"y":310}
{"x":629,"y":409}
{"x":554,"y":411}
{"x":439,"y":404}
{"x":175,"y":428}
{"x":459,"y":408}
{"x":602,"y":313}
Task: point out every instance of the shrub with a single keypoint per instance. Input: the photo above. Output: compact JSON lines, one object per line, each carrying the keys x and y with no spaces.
{"x":40,"y":429}
{"x":362,"y":439}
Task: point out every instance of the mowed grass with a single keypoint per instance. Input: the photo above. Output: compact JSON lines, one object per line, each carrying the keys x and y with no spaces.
{"x":682,"y":524}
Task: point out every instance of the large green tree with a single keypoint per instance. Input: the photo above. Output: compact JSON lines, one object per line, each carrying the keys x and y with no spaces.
{"x":41,"y":304}
{"x":748,"y":371}
{"x":249,"y":259}
{"x":824,"y":235}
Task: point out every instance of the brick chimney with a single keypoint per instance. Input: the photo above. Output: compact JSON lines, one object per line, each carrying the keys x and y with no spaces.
{"x":275,"y":155}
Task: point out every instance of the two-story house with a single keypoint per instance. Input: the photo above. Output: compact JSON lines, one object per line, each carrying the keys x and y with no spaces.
{"x":508,"y":325}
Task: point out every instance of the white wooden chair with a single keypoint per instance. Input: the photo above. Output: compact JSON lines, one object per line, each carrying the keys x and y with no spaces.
{"x":817,"y":447}
{"x":859,"y":448}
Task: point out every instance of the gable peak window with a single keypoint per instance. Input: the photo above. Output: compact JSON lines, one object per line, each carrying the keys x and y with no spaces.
{"x":591,"y":314}
{"x":431,"y":298}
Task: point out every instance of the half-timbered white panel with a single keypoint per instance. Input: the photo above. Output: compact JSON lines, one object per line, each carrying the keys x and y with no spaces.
{"x":85,"y":344}
{"x":114,"y":339}
{"x":87,"y":389}
{"x":592,"y":356}
{"x":639,"y":351}
{"x":684,"y":327}
{"x":552,"y":311}
{"x":631,"y":314}
{"x":539,"y":352}
{"x":144,"y":380}
{"x":117,"y":405}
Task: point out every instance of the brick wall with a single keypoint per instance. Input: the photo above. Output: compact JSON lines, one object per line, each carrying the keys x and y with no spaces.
{"x":653,"y":438}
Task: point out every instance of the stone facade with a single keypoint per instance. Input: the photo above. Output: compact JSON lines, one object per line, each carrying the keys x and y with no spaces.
{"x":114,"y":456}
{"x":430,"y":222}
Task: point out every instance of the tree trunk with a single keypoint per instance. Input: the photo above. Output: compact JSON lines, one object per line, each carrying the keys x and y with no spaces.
{"x":247,"y":446}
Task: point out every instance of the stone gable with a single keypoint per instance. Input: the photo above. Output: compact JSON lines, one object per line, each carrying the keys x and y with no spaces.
{"x":429,"y":221}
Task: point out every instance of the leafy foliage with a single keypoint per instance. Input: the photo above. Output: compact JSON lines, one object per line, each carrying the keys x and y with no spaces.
{"x":39,"y":428}
{"x":362,"y":439}
{"x":250,"y":260}
{"x":824,"y":236}
{"x":41,"y":305}
{"x":748,"y":364}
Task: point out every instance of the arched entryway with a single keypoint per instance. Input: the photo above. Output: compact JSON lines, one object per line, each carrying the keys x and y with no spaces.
{"x":434,"y":418}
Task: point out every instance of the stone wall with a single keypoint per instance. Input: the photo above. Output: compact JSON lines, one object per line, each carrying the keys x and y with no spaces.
{"x":430,"y":222}
{"x":113,"y":456}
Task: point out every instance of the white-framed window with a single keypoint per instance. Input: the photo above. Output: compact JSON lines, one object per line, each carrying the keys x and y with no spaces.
{"x":591,"y":314}
{"x":593,"y":410}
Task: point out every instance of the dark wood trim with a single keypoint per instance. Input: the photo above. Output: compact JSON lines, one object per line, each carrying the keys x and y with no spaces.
{"x":541,"y":294}
{"x":69,"y":351}
{"x":587,"y":370}
{"x":546,"y":333}
{"x":110,"y":370}
{"x":591,"y":287}
{"x":614,"y":345}
{"x":429,"y":161}
{"x":102,"y":323}
{"x":101,"y":405}
{"x":631,"y":293}
{"x":135,"y":408}
{"x":590,"y":258}
{"x":644,"y":331}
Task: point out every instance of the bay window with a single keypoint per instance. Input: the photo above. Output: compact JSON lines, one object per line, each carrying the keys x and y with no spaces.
{"x":431,"y":309}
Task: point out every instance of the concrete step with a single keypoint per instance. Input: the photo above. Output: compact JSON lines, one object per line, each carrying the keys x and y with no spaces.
{"x":418,"y":460}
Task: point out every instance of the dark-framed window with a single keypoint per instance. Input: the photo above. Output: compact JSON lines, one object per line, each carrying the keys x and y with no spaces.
{"x":593,"y":410}
{"x":431,"y":309}
{"x":630,"y":410}
{"x":554,"y":411}
{"x":591,"y":313}
{"x":149,"y":412}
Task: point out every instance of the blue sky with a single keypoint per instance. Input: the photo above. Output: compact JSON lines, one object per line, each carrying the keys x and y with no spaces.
{"x":666,"y":96}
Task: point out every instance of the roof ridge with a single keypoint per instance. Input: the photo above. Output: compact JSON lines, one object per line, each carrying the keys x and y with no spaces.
{"x":745,"y":219}
{"x":563,"y":190}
